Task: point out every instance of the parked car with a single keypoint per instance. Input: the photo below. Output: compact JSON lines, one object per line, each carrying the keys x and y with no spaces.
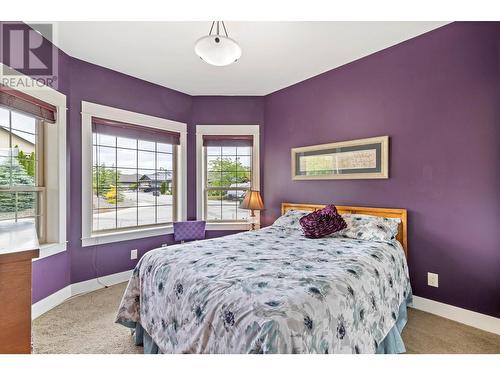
{"x":236,"y":193}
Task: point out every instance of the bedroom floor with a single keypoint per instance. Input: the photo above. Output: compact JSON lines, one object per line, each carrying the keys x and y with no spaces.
{"x":84,"y":324}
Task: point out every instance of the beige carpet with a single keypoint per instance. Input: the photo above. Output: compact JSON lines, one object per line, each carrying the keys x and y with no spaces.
{"x":85,"y":324}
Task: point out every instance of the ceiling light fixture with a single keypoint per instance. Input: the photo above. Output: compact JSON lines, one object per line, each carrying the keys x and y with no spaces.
{"x":217,"y":49}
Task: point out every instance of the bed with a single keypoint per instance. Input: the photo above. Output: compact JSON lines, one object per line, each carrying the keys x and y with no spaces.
{"x":273,"y":291}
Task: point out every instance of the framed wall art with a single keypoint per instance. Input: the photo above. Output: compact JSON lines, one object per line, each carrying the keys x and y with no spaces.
{"x":366,"y":158}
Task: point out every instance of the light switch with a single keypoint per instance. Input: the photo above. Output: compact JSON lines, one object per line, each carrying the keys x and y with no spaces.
{"x":433,"y":279}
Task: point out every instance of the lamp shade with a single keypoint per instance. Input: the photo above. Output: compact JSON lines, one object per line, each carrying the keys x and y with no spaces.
{"x":252,"y":201}
{"x":218,"y":50}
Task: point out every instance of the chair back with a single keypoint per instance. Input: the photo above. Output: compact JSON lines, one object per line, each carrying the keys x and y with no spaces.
{"x":189,"y":230}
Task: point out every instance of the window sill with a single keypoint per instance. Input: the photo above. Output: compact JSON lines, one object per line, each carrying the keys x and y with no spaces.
{"x":230,"y":226}
{"x":100,"y":239}
{"x":49,"y":249}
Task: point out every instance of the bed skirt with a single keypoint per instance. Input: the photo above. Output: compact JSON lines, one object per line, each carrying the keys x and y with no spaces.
{"x":392,"y":344}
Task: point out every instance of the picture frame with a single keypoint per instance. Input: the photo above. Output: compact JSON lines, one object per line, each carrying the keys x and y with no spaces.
{"x":366,"y":158}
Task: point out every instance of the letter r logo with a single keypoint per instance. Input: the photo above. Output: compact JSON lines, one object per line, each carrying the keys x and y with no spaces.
{"x":26,"y":50}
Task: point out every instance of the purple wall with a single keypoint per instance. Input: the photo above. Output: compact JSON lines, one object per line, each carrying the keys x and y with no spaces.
{"x":438,"y":98}
{"x":219,"y":110}
{"x":92,"y":83}
{"x":53,"y":273}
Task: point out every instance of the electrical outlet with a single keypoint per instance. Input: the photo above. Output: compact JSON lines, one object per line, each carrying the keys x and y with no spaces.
{"x":164,"y":244}
{"x":433,"y":279}
{"x":133,"y":254}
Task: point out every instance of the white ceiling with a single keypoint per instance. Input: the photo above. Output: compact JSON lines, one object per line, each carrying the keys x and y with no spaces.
{"x":275,"y":54}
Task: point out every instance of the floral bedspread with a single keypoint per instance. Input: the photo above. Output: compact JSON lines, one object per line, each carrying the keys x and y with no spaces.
{"x":268,"y":291}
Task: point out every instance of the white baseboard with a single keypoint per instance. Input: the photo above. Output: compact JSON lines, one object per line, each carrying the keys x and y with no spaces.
{"x":49,"y":302}
{"x":55,"y":299}
{"x":468,"y":317}
{"x":94,"y":284}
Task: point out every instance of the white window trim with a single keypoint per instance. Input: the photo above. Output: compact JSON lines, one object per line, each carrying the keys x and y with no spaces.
{"x":201,"y":130}
{"x":88,"y":111}
{"x":55,"y":155}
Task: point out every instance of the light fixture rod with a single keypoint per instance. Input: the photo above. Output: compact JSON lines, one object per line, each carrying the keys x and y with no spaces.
{"x":218,"y":28}
{"x":224,"y":26}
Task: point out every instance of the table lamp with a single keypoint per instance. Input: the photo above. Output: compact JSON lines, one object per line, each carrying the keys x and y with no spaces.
{"x":252,"y":201}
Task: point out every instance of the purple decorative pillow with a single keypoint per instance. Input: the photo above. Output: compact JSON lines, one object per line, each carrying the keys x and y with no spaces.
{"x":322,"y":222}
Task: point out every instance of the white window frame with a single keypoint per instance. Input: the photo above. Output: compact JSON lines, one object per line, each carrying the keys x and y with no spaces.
{"x":201,"y":130}
{"x":90,"y":110}
{"x":54,"y":160}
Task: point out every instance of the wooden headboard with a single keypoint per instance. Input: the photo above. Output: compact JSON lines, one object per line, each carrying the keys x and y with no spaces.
{"x":400,"y":213}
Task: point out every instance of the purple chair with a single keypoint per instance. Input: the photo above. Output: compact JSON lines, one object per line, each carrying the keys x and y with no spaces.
{"x":189,"y":230}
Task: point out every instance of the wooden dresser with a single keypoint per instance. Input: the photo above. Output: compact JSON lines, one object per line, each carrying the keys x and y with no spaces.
{"x":18,"y":246}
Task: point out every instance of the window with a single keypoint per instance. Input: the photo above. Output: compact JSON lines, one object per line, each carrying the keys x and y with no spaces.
{"x":133,"y":174}
{"x":33,"y":174}
{"x":22,"y":191}
{"x":228,"y":168}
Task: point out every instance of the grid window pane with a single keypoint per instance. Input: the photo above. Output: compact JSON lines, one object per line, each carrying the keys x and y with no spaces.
{"x":126,"y":197}
{"x":147,"y":215}
{"x":146,"y":145}
{"x":165,"y":214}
{"x":18,"y":164}
{"x":165,"y":147}
{"x":106,"y":140}
{"x":5,"y":171}
{"x":228,"y":171}
{"x":242,"y":214}
{"x":126,"y":143}
{"x":214,"y":163}
{"x":228,"y":150}
{"x":214,"y":179}
{"x":146,"y":196}
{"x":229,"y":163}
{"x":214,"y":208}
{"x":18,"y":204}
{"x":146,"y":160}
{"x":234,"y":195}
{"x":6,"y":215}
{"x":244,"y":162}
{"x":27,"y":204}
{"x":126,"y":217}
{"x":163,"y":161}
{"x":126,"y":158}
{"x":23,"y":123}
{"x":128,"y":177}
{"x":214,"y":151}
{"x":4,"y":117}
{"x":104,"y":219}
{"x":243,"y":179}
{"x":20,"y":143}
{"x":139,"y":190}
{"x":103,"y":181}
{"x":106,"y":156}
{"x":229,"y":211}
{"x":244,"y":151}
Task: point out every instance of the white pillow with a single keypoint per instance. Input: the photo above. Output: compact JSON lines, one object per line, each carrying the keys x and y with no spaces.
{"x":370,"y":228}
{"x":290,"y":219}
